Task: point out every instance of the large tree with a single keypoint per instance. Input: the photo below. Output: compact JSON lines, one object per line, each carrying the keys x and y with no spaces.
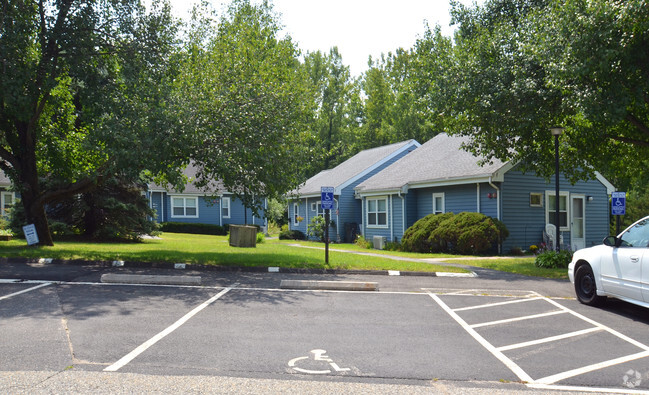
{"x":524,"y":66}
{"x":333,"y":92}
{"x":83,"y":97}
{"x":243,"y":97}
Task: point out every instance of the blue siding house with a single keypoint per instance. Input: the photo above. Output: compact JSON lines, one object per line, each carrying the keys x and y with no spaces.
{"x":7,"y":196}
{"x":304,"y":202}
{"x":214,"y":206}
{"x":441,"y":176}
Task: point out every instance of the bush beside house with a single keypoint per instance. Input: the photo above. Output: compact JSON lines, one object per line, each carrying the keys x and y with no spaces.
{"x":464,"y":233}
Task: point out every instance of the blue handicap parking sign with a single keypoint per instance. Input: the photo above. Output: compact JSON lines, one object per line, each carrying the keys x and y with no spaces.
{"x":618,"y":203}
{"x":327,"y":198}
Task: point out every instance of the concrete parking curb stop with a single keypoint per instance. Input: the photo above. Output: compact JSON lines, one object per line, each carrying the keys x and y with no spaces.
{"x":198,"y":267}
{"x":330,"y":285}
{"x":149,"y":279}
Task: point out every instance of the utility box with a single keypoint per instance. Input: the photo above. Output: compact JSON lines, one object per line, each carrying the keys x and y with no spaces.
{"x":243,"y":236}
{"x":379,"y":242}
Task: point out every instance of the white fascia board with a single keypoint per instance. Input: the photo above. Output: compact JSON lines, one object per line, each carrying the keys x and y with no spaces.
{"x":610,"y":188}
{"x":455,"y":181}
{"x":383,"y":192}
{"x":345,"y":184}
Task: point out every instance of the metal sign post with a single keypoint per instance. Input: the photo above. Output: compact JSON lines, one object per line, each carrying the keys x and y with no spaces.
{"x":618,"y":207}
{"x":327,"y":203}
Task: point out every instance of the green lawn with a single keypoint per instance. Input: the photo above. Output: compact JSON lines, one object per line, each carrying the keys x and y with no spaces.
{"x":213,"y":250}
{"x":523,"y":265}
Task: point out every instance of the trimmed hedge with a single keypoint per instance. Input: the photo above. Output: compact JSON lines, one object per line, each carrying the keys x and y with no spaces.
{"x":291,"y":235}
{"x":198,"y":229}
{"x":465,"y":233}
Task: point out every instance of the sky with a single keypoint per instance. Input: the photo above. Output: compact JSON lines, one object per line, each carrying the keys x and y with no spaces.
{"x":359,"y":28}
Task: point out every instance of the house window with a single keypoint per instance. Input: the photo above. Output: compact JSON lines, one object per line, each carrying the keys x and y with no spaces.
{"x":536,"y":200}
{"x":6,"y":201}
{"x":225,"y":207}
{"x":438,"y":203}
{"x":319,"y":209}
{"x":550,"y":203}
{"x":377,"y":212}
{"x":184,"y":207}
{"x":296,"y":214}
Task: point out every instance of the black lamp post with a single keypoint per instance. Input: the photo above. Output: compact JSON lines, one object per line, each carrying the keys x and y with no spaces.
{"x":556,"y":132}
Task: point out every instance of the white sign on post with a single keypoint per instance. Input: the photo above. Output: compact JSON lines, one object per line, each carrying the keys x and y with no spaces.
{"x":30,"y":234}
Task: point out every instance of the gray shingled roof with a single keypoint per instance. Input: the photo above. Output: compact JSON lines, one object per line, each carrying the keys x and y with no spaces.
{"x":216,"y":187}
{"x":349,"y":169}
{"x":440,"y":159}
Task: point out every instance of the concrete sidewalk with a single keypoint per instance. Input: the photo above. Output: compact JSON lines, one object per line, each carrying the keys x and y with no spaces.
{"x":81,"y":382}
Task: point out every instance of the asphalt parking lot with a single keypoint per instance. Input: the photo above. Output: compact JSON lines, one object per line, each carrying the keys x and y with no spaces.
{"x":417,"y":330}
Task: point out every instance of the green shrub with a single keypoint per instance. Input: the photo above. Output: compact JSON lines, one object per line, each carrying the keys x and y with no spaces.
{"x":260,"y":238}
{"x":317,"y":228}
{"x":392,"y":246}
{"x":553,"y":259}
{"x":361,"y":242}
{"x":199,"y":229}
{"x":464,"y":233}
{"x":292,"y":235}
{"x":416,"y":237}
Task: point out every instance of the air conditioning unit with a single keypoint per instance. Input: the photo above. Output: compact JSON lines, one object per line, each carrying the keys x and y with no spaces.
{"x":379,"y":242}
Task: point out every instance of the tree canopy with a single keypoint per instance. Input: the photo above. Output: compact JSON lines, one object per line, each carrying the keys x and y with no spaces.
{"x":524,"y":66}
{"x":83,"y":97}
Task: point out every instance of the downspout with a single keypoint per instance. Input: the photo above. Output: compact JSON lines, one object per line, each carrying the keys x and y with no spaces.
{"x":478,"y":195}
{"x":497,"y":198}
{"x":162,"y":203}
{"x":497,"y":207}
{"x":391,"y":220}
{"x":220,"y":210}
{"x":337,"y":219}
{"x":363,"y":216}
{"x":306,"y":213}
{"x":403,"y":214}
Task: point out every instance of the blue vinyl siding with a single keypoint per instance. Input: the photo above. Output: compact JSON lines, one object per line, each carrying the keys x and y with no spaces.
{"x":349,"y":209}
{"x":209,"y":211}
{"x":526,"y":223}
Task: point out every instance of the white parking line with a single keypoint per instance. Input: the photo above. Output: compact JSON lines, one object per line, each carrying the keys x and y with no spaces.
{"x":527,"y":317}
{"x":522,"y":375}
{"x":482,"y":306}
{"x":24,"y":291}
{"x":586,"y":369}
{"x":549,"y":339}
{"x":547,"y":382}
{"x":140,"y":349}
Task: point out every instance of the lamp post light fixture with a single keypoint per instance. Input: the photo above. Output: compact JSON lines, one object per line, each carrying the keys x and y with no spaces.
{"x":556,"y":132}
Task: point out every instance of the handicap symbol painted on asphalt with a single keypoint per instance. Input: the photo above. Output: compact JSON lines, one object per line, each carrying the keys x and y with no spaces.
{"x":318,"y":355}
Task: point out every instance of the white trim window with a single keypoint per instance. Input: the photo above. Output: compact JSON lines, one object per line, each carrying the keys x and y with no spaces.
{"x":184,"y":207}
{"x":225,"y":207}
{"x":564,"y":209}
{"x":296,"y":214}
{"x":319,"y":210}
{"x":7,"y":200}
{"x":377,"y":212}
{"x":439,"y":205}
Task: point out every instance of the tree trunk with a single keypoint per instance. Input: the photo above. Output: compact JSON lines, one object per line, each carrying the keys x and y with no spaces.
{"x":35,"y":214}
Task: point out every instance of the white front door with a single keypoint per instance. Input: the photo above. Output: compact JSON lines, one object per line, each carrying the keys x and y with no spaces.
{"x":578,"y":223}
